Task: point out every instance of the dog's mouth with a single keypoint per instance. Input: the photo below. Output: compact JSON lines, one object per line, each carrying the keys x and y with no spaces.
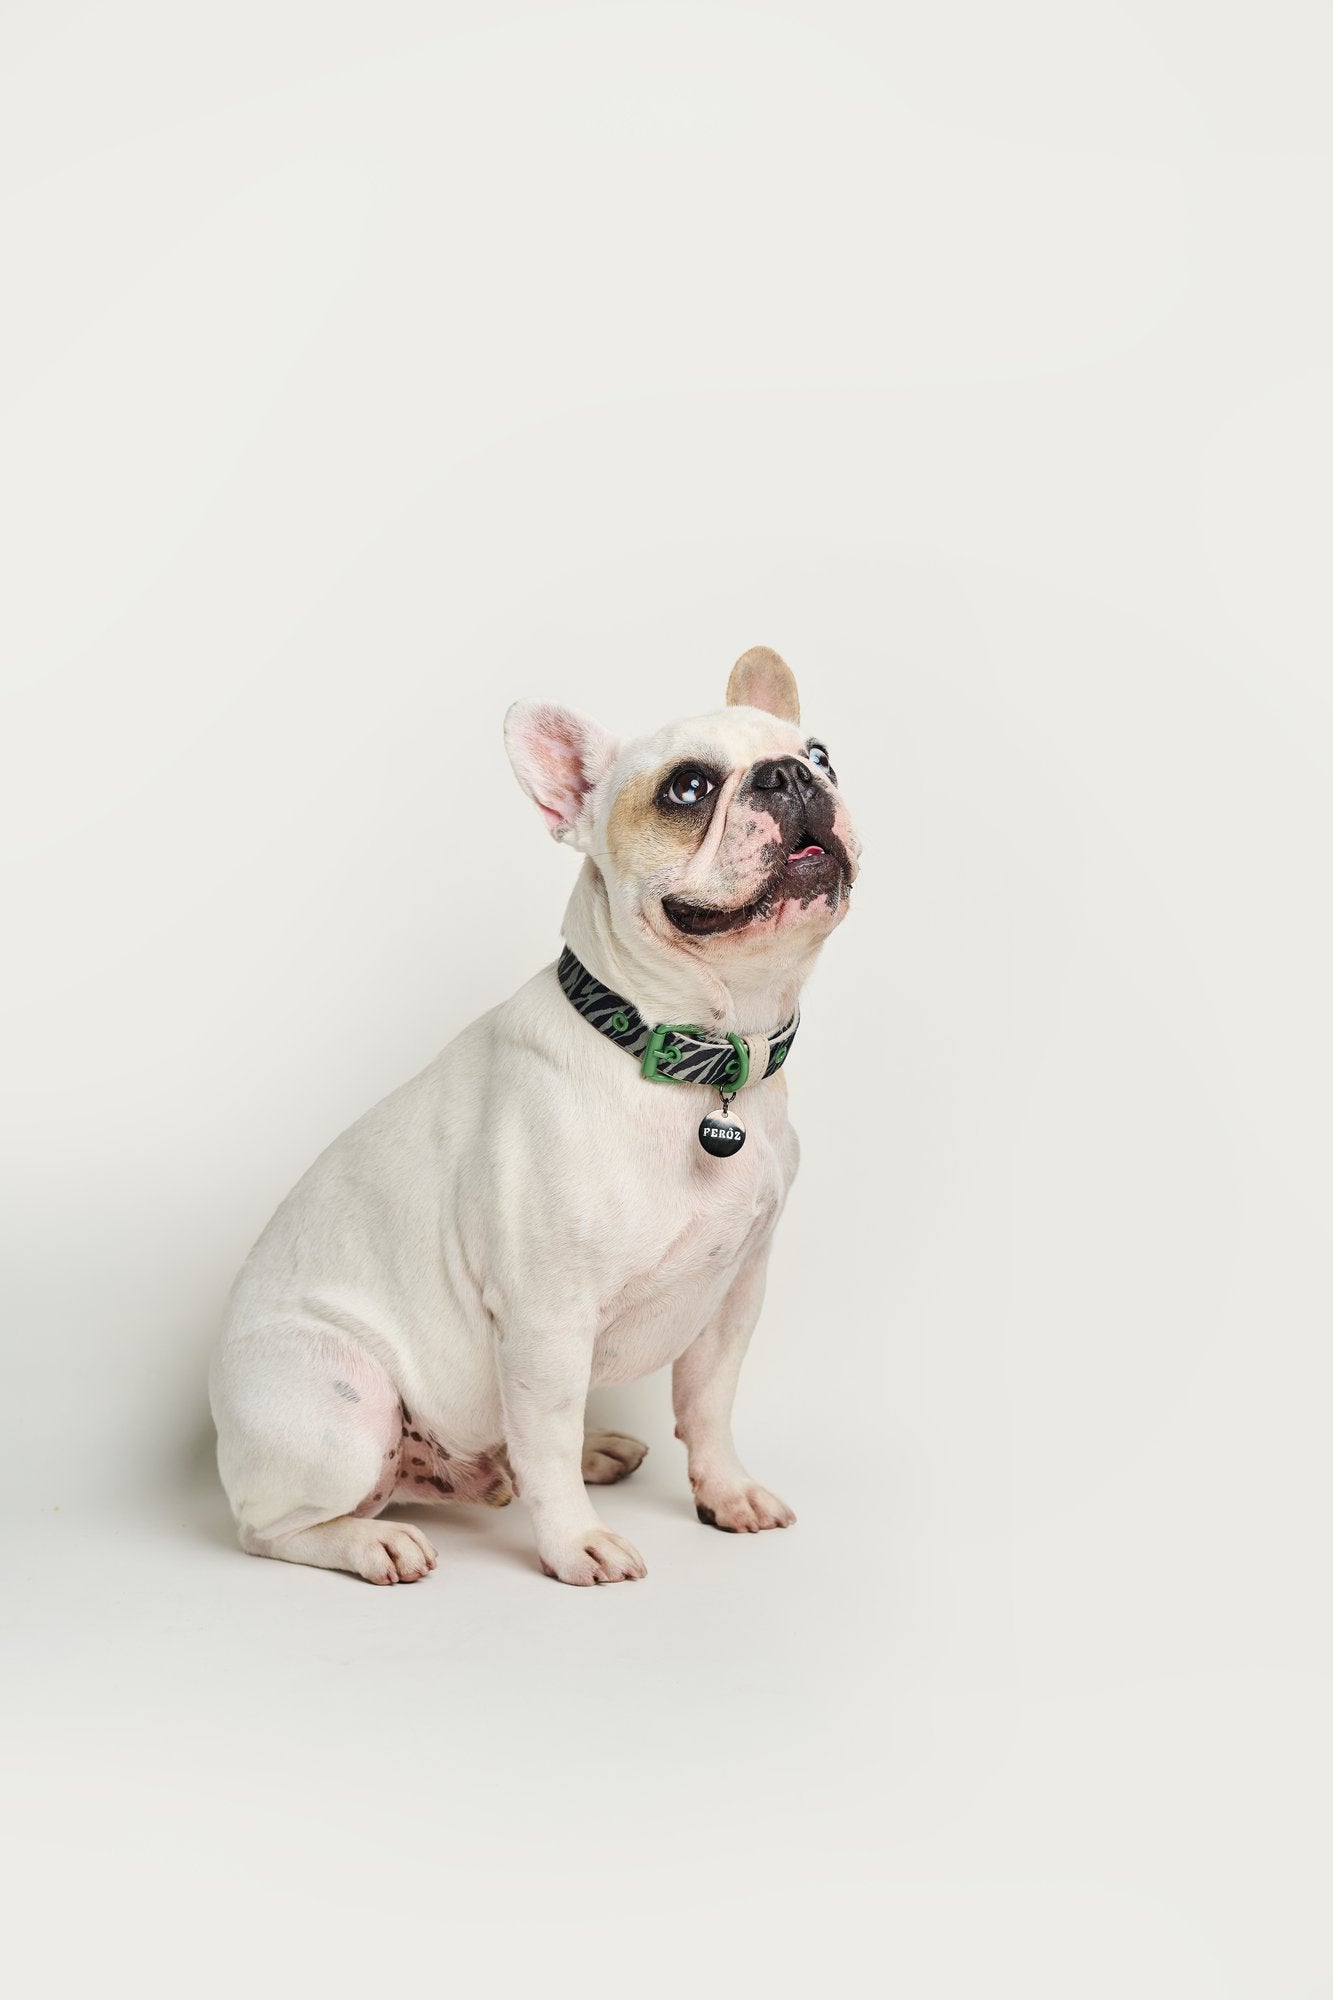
{"x":807,"y":871}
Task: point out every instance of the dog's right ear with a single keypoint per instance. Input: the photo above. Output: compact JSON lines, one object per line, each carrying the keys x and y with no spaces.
{"x":558,"y":757}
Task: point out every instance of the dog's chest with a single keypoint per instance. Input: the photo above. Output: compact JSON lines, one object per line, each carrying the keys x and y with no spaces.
{"x":711,"y":1216}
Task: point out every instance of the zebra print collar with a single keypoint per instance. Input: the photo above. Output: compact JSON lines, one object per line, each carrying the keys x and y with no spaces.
{"x":669,"y":1054}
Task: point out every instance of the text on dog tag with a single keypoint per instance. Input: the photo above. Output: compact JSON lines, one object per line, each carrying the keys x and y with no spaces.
{"x":721,"y":1134}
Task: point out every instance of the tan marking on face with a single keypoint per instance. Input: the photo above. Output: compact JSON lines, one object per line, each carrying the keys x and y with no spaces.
{"x":640,"y":837}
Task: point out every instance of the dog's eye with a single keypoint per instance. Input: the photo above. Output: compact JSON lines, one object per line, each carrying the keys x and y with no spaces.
{"x":818,"y":756}
{"x":689,"y":786}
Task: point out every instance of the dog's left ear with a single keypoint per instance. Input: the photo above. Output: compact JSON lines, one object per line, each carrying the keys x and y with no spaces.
{"x":761,"y":678}
{"x":558,"y":756}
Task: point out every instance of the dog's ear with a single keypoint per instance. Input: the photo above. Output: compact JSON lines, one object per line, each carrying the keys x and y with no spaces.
{"x":558,"y":756}
{"x":761,"y":678}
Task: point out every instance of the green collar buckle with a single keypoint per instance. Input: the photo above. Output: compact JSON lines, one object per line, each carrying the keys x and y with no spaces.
{"x":669,"y":1052}
{"x":663,"y":1047}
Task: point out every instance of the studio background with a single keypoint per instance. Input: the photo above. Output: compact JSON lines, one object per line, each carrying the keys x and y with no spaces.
{"x":364,"y":370}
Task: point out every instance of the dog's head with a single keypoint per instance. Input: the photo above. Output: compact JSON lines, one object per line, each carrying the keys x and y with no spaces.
{"x":724,"y":837}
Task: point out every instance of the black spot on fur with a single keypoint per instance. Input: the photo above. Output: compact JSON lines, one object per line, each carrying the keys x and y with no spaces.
{"x":346,"y":1391}
{"x":442,"y":1485}
{"x":710,"y":1520}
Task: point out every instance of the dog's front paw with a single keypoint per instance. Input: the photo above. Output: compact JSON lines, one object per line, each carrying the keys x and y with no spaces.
{"x":742,"y":1509}
{"x":596,"y":1556}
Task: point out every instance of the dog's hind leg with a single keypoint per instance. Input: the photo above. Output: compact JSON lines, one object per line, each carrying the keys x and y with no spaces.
{"x":309,"y":1427}
{"x":609,"y":1456}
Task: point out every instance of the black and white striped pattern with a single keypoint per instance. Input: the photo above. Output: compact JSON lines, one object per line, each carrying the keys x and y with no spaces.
{"x":686,"y":1056}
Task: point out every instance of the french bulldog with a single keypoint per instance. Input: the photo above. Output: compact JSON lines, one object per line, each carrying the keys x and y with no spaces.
{"x":537,"y":1212}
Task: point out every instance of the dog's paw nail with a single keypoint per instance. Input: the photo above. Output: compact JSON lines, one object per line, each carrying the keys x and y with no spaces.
{"x":744,"y":1510}
{"x":599,"y":1557}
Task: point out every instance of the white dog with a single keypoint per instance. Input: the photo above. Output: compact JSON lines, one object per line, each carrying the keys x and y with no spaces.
{"x":561,"y":1199}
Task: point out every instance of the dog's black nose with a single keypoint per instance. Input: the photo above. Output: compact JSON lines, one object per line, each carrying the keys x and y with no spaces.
{"x":783,"y":774}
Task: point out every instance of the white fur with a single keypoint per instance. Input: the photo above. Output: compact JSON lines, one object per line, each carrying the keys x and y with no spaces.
{"x":527,"y":1218}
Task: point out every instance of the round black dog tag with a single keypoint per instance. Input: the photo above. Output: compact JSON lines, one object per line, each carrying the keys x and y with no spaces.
{"x":721,"y":1134}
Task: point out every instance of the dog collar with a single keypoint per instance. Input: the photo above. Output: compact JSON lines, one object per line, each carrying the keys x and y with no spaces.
{"x":670,"y":1053}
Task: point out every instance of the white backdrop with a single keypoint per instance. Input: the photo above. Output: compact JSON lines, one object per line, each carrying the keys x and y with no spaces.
{"x":364,"y":369}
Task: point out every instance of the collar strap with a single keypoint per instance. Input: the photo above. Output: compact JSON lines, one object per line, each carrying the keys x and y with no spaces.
{"x":668,"y":1054}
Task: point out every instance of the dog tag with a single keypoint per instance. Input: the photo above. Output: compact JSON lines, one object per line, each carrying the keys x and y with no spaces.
{"x":721,"y":1134}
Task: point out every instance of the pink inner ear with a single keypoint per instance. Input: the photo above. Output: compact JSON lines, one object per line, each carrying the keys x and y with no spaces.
{"x":558,"y":756}
{"x":552,"y":751}
{"x":562,"y":783}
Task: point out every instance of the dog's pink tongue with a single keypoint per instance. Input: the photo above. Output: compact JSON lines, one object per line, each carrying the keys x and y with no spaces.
{"x":801,"y":853}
